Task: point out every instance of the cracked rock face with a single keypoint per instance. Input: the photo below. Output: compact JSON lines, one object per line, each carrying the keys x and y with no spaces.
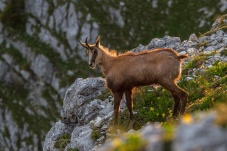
{"x":81,"y":111}
{"x":43,"y":68}
{"x":78,"y":107}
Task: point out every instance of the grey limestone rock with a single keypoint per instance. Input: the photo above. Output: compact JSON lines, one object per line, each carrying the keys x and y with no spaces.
{"x":165,"y":42}
{"x":81,"y":111}
{"x":203,"y":135}
{"x":4,"y":68}
{"x":209,"y":49}
{"x":171,"y":42}
{"x":151,"y":133}
{"x":43,"y":68}
{"x":193,"y":38}
{"x":81,"y":138}
{"x":55,"y":132}
{"x":215,"y":24}
{"x":77,"y":98}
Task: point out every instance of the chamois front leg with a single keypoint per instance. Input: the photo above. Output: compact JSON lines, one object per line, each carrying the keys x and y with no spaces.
{"x":129,"y":103}
{"x":117,"y":101}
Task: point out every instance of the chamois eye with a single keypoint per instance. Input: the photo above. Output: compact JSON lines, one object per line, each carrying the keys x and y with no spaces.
{"x":95,"y":51}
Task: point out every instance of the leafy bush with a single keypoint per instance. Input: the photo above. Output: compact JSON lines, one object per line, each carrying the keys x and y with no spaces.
{"x":224,"y":52}
{"x":62,"y":141}
{"x":13,"y":15}
{"x":73,"y":149}
{"x":95,"y":134}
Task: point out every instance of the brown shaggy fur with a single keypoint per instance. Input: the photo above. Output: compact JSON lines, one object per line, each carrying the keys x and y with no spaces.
{"x":125,"y":71}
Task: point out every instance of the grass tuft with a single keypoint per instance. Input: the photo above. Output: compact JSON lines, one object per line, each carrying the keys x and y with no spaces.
{"x":224,"y":52}
{"x":62,"y":142}
{"x":73,"y":149}
{"x":13,"y":15}
{"x":95,"y":134}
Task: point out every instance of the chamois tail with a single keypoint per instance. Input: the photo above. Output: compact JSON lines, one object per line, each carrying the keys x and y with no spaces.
{"x":181,"y":57}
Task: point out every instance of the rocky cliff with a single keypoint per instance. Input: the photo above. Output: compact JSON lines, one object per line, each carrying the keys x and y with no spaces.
{"x":87,"y":117}
{"x":36,"y":66}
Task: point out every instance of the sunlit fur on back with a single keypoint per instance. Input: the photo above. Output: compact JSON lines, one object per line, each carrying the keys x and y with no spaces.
{"x":145,"y":68}
{"x":125,"y":71}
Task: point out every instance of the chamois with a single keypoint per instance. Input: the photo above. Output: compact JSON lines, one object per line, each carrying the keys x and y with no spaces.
{"x":125,"y":71}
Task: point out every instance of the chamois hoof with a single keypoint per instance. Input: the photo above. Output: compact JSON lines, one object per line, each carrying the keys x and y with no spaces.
{"x":131,"y":124}
{"x":113,"y":129}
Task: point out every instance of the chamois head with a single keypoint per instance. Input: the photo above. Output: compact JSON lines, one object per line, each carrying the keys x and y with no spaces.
{"x":93,"y":52}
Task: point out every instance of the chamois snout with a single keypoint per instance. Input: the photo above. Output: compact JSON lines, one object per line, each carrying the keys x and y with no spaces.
{"x":92,"y":58}
{"x":92,"y":65}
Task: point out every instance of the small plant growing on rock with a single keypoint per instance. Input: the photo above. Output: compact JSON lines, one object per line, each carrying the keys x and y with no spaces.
{"x":208,"y":88}
{"x":224,"y":52}
{"x":150,"y":104}
{"x":73,"y":149}
{"x":196,"y":62}
{"x":201,"y":44}
{"x":62,"y":142}
{"x":13,"y":15}
{"x":105,"y":94}
{"x":218,"y":69}
{"x":95,"y":134}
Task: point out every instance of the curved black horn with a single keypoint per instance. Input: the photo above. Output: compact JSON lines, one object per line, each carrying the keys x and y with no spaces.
{"x":87,"y":43}
{"x":83,"y":44}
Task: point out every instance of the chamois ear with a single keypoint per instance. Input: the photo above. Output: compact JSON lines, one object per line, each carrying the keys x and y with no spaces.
{"x":98,"y":41}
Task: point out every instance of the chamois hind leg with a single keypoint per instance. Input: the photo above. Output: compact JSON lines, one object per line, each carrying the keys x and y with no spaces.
{"x":176,"y":104}
{"x":129,"y":103}
{"x":117,"y":101}
{"x":176,"y":91}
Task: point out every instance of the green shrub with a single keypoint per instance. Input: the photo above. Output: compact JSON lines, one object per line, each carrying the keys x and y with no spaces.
{"x":62,"y":141}
{"x":201,"y":44}
{"x":105,"y":94}
{"x":73,"y":149}
{"x":13,"y":15}
{"x":95,"y":134}
{"x":207,"y":90}
{"x":224,"y":52}
{"x":195,"y":62}
{"x":151,"y":105}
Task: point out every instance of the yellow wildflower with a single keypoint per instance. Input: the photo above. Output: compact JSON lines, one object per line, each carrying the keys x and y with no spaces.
{"x":187,"y":119}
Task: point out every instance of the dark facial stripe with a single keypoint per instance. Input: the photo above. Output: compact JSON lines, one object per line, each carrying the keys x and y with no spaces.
{"x":94,"y":56}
